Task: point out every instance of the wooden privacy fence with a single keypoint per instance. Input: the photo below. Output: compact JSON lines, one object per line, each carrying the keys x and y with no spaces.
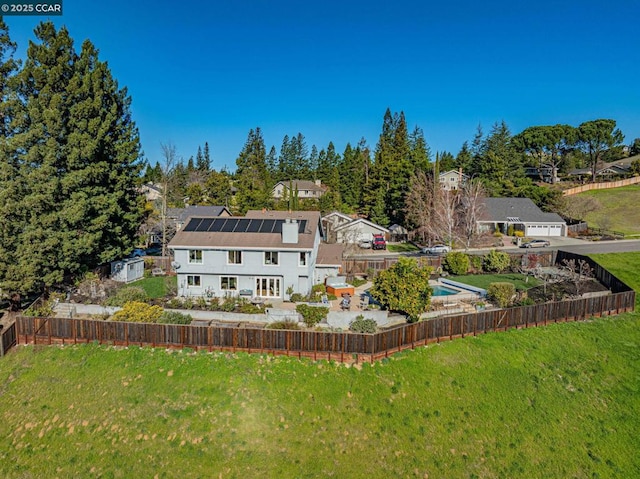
{"x":7,"y":339}
{"x":316,"y":344}
{"x":342,"y":346}
{"x":601,"y":186}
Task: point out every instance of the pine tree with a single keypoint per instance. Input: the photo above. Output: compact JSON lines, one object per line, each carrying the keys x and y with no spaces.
{"x":392,"y":169}
{"x":199,"y":163}
{"x":251,"y":174}
{"x":205,"y":165}
{"x":81,"y":165}
{"x":12,"y":215}
{"x":420,"y":151}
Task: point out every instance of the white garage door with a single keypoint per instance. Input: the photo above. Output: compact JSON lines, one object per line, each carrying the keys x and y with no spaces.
{"x":555,"y":230}
{"x":537,"y":230}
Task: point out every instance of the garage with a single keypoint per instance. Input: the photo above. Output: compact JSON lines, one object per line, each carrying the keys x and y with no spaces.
{"x":521,"y":214}
{"x":543,"y":230}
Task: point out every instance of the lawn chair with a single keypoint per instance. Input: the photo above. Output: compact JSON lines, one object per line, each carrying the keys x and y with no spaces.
{"x":364,"y":302}
{"x":345,"y":304}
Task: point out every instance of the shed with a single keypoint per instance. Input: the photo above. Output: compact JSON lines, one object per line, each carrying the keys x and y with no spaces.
{"x":127,"y":270}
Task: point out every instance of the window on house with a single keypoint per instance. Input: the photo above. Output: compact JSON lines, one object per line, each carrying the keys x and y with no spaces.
{"x":235,"y":257}
{"x":303,"y":259}
{"x":271,"y":257}
{"x":195,"y":256}
{"x":229,"y":283}
{"x":193,"y":281}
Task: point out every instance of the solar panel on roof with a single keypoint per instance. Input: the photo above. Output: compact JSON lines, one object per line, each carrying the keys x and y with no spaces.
{"x":229,"y":225}
{"x":205,"y":224}
{"x":192,"y":225}
{"x":254,"y":226}
{"x":241,"y":226}
{"x":267,"y":226}
{"x":216,"y":225}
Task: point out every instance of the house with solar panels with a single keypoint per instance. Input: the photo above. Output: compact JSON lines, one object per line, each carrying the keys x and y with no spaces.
{"x":265,"y":254}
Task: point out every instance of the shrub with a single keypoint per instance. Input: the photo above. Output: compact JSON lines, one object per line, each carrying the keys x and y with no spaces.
{"x":174,"y":303}
{"x":362,"y":325}
{"x":126,"y":295}
{"x":187,"y":304}
{"x":496,"y":261}
{"x":214,"y":304}
{"x":228,"y":304}
{"x":312,"y":315}
{"x":358,"y":282}
{"x":318,"y":289}
{"x":476,"y":262}
{"x":519,"y":234}
{"x":457,"y":263}
{"x":173,"y":317}
{"x":510,"y":230}
{"x":138,"y":312}
{"x":284,"y":325}
{"x":248,"y":308}
{"x":296,"y":298}
{"x":501,"y":293}
{"x":201,"y":302}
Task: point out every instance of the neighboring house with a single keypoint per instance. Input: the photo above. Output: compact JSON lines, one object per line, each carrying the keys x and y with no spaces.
{"x":398,"y":234}
{"x":127,"y":270}
{"x":331,"y":222}
{"x":358,"y":230}
{"x":615,"y":168}
{"x":178,"y":216}
{"x":543,"y":173}
{"x":523,"y":214}
{"x":452,"y":180}
{"x":151,"y":191}
{"x":329,"y":262}
{"x":265,"y":254}
{"x":306,"y":189}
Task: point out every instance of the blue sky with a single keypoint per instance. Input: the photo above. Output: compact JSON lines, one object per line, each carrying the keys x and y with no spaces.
{"x":210,"y":70}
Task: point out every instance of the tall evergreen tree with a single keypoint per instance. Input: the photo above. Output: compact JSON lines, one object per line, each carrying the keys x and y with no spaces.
{"x":464,"y":159}
{"x":251,"y":174}
{"x":392,"y":170}
{"x":420,"y":151}
{"x":12,"y":214}
{"x":205,"y":165}
{"x":80,"y":165}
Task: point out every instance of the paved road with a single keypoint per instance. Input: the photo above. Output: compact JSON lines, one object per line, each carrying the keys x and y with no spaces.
{"x":567,"y":244}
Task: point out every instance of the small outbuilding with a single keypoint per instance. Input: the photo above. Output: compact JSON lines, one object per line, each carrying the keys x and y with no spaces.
{"x":127,"y":270}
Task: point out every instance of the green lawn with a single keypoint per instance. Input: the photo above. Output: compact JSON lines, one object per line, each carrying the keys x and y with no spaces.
{"x":402,"y":247}
{"x":155,"y":287}
{"x":483,"y":281}
{"x":619,"y":211}
{"x":560,"y":401}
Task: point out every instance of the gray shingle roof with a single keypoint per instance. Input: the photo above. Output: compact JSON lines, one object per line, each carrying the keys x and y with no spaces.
{"x":181,"y":214}
{"x":508,"y":209}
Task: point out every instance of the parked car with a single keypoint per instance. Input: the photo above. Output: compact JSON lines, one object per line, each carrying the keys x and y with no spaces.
{"x":138,"y":252}
{"x":365,"y":244}
{"x":538,"y":243}
{"x":437,"y":249}
{"x":379,"y":242}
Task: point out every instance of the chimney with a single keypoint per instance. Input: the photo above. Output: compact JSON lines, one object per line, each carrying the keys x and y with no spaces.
{"x":318,"y":182}
{"x":290,"y":231}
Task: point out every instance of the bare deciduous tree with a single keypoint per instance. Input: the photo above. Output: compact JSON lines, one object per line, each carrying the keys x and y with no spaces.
{"x":472,"y":207}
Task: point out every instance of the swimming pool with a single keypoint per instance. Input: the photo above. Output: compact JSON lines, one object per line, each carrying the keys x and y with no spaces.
{"x":439,"y":290}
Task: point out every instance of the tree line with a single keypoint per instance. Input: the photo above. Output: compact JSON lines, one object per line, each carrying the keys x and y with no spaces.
{"x":375,"y":183}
